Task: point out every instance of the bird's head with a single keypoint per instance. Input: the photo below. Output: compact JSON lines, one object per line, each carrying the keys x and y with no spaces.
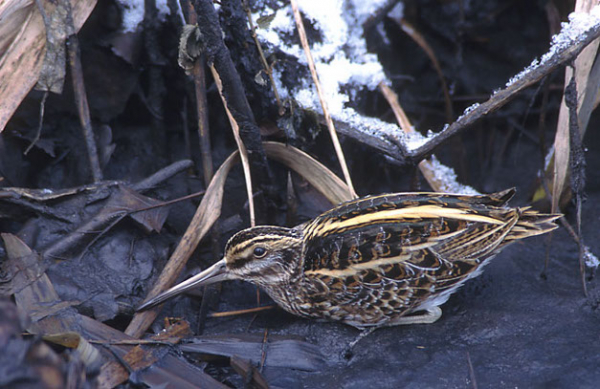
{"x":265,"y":256}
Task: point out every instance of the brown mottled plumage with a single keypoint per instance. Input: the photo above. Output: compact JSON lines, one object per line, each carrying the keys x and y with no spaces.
{"x":377,"y":260}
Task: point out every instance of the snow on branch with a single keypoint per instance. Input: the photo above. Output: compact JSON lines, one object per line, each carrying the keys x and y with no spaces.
{"x":581,"y":30}
{"x":346,"y":68}
{"x":575,"y":31}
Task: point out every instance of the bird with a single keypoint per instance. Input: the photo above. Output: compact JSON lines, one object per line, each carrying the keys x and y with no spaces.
{"x":376,"y":261}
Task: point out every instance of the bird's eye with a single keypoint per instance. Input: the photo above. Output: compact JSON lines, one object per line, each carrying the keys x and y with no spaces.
{"x":260,"y":252}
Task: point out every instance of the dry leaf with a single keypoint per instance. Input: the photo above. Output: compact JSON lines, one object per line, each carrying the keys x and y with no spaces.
{"x":22,"y":43}
{"x":319,"y":176}
{"x":208,"y":212}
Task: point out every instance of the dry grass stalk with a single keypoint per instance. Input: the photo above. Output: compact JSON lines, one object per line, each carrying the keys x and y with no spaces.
{"x":241,"y":311}
{"x":241,"y":147}
{"x":420,"y":40}
{"x":263,"y":60}
{"x":425,"y":166}
{"x":315,"y":76}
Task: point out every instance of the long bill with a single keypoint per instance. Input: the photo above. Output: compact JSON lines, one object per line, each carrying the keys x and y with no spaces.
{"x":215,"y":273}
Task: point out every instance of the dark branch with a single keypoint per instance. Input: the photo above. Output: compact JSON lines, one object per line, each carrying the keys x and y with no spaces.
{"x":233,"y":90}
{"x":505,"y":95}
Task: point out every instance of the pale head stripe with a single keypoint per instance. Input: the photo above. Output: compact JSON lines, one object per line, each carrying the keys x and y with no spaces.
{"x":419,"y":212}
{"x":259,"y":239}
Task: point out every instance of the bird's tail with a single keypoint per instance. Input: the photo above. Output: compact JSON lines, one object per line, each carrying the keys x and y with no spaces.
{"x":532,"y":223}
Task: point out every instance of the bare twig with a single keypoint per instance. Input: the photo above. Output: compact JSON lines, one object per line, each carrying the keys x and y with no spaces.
{"x":384,"y":144}
{"x":425,"y":166}
{"x":241,"y":311}
{"x":202,"y":110}
{"x":40,"y":124}
{"x":471,"y":372}
{"x":261,"y":55}
{"x":201,"y":105}
{"x":233,"y":91}
{"x":315,"y":76}
{"x":168,"y":202}
{"x":205,"y":151}
{"x":505,"y":95}
{"x":587,"y":90}
{"x":184,"y":128}
{"x":162,"y":175}
{"x":567,"y":226}
{"x":263,"y":350}
{"x":577,"y":166}
{"x":82,"y":104}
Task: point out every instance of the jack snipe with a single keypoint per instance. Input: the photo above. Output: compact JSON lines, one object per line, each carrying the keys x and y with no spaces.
{"x":377,"y":260}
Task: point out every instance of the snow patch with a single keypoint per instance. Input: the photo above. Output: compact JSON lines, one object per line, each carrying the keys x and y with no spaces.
{"x":591,"y":260}
{"x":397,"y":12}
{"x":467,"y":111}
{"x":343,"y":63}
{"x":446,"y":176}
{"x":133,"y":13}
{"x":415,"y":139}
{"x":163,"y":9}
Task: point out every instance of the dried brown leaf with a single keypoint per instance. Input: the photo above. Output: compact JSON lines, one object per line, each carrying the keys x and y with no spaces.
{"x":132,"y":202}
{"x":21,"y":267}
{"x":319,"y":176}
{"x":33,"y":291}
{"x":22,"y":42}
{"x":283,"y":352}
{"x":208,"y":212}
